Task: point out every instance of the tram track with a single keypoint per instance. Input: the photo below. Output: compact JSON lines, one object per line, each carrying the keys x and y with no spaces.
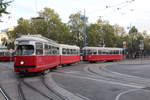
{"x":102,"y":71}
{"x":54,"y":95}
{"x":95,"y":77}
{"x":52,"y":90}
{"x":21,"y":93}
{"x":4,"y":94}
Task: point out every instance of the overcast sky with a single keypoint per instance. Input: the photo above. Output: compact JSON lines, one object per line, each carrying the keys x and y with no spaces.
{"x":122,"y":12}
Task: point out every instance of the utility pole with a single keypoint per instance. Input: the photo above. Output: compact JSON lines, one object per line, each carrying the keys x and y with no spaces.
{"x":84,"y":18}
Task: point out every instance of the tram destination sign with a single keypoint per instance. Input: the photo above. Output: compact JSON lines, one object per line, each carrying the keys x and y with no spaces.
{"x":24,"y":42}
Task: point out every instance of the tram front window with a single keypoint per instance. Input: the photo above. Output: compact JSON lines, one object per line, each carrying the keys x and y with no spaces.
{"x":24,"y":50}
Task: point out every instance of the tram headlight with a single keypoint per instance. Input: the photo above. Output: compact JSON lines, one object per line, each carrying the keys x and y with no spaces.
{"x":22,"y":62}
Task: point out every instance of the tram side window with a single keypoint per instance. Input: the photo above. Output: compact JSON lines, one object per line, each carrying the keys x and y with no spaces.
{"x":63,"y":51}
{"x":89,"y":52}
{"x":117,"y":51}
{"x":121,"y":52}
{"x":103,"y":52}
{"x":78,"y":52}
{"x":83,"y":52}
{"x":111,"y":52}
{"x":57,"y":50}
{"x":53,"y":50}
{"x":67,"y":51}
{"x":39,"y":48}
{"x":86,"y":52}
{"x":74,"y":51}
{"x":49,"y":49}
{"x":46,"y":49}
{"x":70,"y":51}
{"x":1,"y":54}
{"x":99,"y":52}
{"x":107,"y":52}
{"x":94,"y":52}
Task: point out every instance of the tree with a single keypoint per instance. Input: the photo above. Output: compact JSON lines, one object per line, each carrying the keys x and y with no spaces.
{"x":76,"y":25}
{"x":101,"y":34}
{"x":118,"y":30}
{"x":47,"y":24}
{"x":23,"y":27}
{"x":94,"y":35}
{"x":134,"y":40}
{"x":3,"y":6}
{"x":133,"y":30}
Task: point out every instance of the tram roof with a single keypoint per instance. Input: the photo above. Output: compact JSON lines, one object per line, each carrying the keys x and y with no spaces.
{"x":69,"y":46}
{"x":35,"y":38}
{"x":103,"y":48}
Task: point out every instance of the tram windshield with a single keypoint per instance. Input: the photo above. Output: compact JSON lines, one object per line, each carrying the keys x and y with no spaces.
{"x":24,"y":50}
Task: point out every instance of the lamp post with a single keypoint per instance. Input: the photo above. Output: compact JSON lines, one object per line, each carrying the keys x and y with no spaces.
{"x":124,"y":47}
{"x":84,"y":18}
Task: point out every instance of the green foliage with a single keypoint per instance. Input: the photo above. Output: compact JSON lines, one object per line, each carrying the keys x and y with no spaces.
{"x":101,"y":33}
{"x":48,"y":24}
{"x":133,"y":30}
{"x":76,"y":24}
{"x":3,"y":6}
{"x":24,"y":26}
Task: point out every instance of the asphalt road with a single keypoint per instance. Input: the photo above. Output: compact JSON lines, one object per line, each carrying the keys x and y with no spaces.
{"x":126,"y":80}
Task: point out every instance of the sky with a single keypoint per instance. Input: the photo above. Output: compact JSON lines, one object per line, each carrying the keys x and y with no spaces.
{"x":125,"y":13}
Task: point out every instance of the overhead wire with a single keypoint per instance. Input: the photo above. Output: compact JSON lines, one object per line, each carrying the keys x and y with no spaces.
{"x":117,"y":6}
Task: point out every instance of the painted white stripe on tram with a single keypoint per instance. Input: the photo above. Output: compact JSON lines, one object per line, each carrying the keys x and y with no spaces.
{"x":5,"y":96}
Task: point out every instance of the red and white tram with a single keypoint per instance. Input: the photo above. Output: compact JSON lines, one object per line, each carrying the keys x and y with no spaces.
{"x":35,"y":53}
{"x":69,"y":54}
{"x":93,"y":54}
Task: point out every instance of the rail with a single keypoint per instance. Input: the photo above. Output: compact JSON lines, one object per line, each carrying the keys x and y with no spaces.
{"x":4,"y":94}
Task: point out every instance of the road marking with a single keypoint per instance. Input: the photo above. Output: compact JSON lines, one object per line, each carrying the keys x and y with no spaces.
{"x":109,"y":82}
{"x":60,"y":90}
{"x":5,"y":96}
{"x":125,"y":75}
{"x":83,"y":97}
{"x":125,"y":92}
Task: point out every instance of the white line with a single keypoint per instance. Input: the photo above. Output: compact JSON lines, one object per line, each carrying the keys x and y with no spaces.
{"x":125,"y":75}
{"x":83,"y":97}
{"x":86,"y":68}
{"x":110,"y":82}
{"x":4,"y":94}
{"x":125,"y":92}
